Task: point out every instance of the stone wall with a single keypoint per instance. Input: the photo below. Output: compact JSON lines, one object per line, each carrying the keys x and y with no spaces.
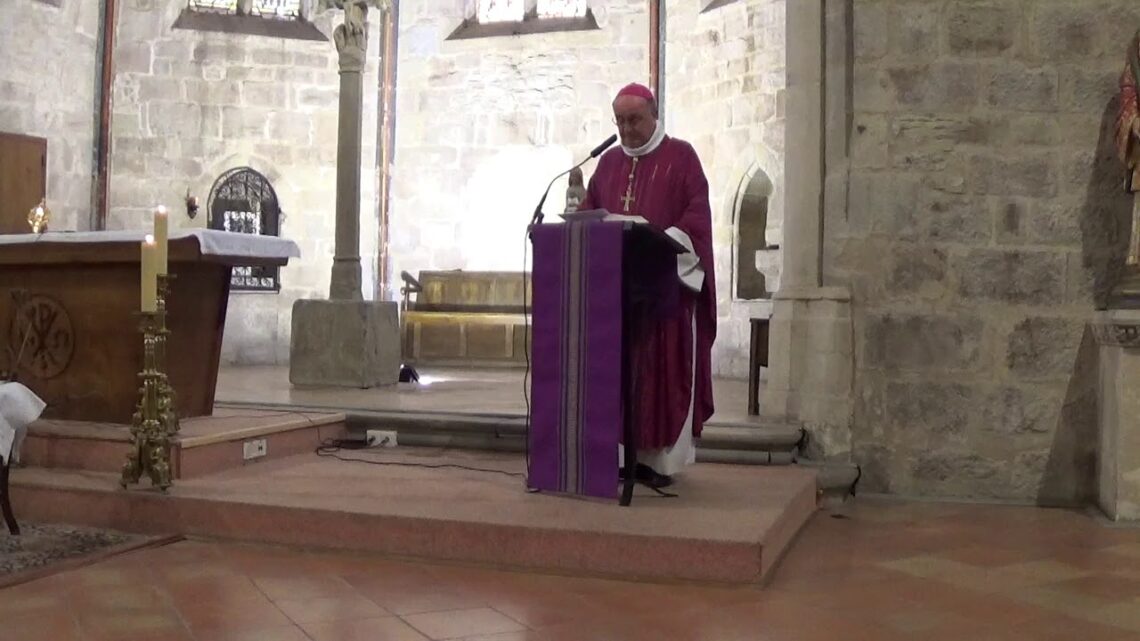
{"x":984,"y":199}
{"x":724,"y":89}
{"x":189,"y":105}
{"x":47,"y":89}
{"x":483,"y":124}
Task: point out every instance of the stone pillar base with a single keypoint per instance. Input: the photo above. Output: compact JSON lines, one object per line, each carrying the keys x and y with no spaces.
{"x":811,"y":358}
{"x":1118,"y":458}
{"x":345,"y":343}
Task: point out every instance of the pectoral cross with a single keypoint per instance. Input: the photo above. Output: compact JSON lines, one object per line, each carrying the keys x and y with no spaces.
{"x":628,"y":197}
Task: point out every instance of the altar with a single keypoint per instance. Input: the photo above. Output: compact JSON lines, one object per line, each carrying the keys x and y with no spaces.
{"x":69,"y":315}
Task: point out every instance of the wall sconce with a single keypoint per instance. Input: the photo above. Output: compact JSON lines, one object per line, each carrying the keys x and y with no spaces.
{"x":191,"y":204}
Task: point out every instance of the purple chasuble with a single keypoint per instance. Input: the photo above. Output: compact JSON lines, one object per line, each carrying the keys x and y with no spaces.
{"x":669,"y":189}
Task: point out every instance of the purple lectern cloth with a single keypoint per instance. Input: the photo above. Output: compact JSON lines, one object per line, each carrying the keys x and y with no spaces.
{"x":576,"y":358}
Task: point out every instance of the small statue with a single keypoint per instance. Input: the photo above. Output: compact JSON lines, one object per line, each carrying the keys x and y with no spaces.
{"x":575,"y":193}
{"x":351,"y":37}
{"x":1128,"y":141}
{"x":38,"y":218}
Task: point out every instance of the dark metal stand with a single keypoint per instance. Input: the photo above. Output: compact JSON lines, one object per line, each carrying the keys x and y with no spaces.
{"x":5,"y":499}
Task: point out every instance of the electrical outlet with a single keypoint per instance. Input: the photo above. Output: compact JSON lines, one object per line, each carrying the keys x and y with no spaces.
{"x":255,"y":448}
{"x":380,"y":438}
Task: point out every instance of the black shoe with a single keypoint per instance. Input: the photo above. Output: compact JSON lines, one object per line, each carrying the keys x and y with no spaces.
{"x":647,"y":476}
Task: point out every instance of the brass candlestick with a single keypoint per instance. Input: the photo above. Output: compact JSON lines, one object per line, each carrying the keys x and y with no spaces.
{"x":155,"y":421}
{"x":169,"y":418}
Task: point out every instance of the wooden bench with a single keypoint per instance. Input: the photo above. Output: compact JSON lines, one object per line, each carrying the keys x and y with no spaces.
{"x":464,"y":318}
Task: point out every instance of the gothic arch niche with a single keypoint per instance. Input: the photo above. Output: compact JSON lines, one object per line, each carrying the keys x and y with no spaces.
{"x":242,"y":200}
{"x":749,"y":234}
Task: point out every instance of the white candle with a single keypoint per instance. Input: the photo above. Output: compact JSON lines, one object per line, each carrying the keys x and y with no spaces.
{"x":149,"y":274}
{"x":161,"y":233}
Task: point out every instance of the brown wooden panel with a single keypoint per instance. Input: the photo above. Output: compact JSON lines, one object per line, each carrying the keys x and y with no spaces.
{"x":23,"y":180}
{"x":100,"y":299}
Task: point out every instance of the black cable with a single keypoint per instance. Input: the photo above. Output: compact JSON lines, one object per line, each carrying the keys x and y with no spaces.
{"x":331,"y":447}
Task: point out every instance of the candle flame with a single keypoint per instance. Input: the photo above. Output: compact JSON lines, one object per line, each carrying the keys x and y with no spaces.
{"x":161,"y":210}
{"x":150,"y":239}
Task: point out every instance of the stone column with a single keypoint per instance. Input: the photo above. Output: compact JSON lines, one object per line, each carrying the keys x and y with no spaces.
{"x":347,"y":341}
{"x":1118,"y":456}
{"x":803,"y":160}
{"x":351,"y":40}
{"x":811,"y":352}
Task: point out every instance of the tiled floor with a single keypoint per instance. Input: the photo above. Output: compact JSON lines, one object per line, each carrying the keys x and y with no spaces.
{"x":886,"y":571}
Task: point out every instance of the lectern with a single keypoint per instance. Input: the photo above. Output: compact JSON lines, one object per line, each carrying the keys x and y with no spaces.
{"x":598,"y":285}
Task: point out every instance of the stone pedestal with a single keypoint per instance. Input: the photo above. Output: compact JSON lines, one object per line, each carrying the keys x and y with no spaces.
{"x":811,"y":358}
{"x":347,"y":343}
{"x":1118,"y":457}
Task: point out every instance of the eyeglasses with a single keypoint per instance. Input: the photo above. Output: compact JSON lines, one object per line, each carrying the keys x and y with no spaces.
{"x":630,"y":121}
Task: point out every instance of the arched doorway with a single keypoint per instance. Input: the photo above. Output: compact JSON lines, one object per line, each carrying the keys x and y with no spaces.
{"x":750,"y":226}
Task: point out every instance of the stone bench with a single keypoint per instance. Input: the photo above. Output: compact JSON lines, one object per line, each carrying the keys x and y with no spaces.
{"x":464,"y":319}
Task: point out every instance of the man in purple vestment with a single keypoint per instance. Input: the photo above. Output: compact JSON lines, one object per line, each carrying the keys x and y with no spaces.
{"x":660,"y":178}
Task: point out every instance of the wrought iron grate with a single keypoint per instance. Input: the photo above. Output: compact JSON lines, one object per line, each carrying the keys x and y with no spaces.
{"x":243,"y":201}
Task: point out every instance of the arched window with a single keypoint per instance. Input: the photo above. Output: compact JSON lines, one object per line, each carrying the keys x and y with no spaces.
{"x":243,"y":201}
{"x":750,"y":234}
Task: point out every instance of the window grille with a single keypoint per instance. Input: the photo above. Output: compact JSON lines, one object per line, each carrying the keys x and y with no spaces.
{"x":243,"y":201}
{"x":284,"y":9}
{"x":561,"y":8}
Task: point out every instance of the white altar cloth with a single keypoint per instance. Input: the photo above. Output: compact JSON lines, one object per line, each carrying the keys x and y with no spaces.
{"x":211,"y":241}
{"x":19,"y":406}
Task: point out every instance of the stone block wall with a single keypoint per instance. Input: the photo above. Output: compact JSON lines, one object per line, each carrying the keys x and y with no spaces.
{"x":724,"y":88}
{"x":484,"y":124}
{"x":984,"y":219}
{"x":189,"y":105}
{"x":48,"y":76}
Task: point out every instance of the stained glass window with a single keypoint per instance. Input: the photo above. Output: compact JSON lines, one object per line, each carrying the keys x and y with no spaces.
{"x":266,"y":8}
{"x":501,"y":10}
{"x":561,"y":8}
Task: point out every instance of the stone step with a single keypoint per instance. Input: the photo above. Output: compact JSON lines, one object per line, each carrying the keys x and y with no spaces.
{"x":507,"y":432}
{"x":493,"y":432}
{"x":750,"y":441}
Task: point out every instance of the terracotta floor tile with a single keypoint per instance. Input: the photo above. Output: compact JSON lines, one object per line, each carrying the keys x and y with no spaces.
{"x":455,"y":624}
{"x":302,"y":587}
{"x":239,"y":615}
{"x":135,"y":625}
{"x":385,"y":629}
{"x":419,"y":599}
{"x":25,"y":628}
{"x":288,"y":633}
{"x":1109,"y":587}
{"x":891,"y":572}
{"x":215,"y":589}
{"x":339,"y":608}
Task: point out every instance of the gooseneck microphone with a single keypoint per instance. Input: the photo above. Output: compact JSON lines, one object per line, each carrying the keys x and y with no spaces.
{"x":536,"y":219}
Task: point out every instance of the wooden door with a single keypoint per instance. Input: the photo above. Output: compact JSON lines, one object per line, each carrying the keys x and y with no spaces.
{"x":23,"y":180}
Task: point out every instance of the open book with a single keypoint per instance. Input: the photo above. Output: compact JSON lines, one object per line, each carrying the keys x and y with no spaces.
{"x":601,"y":214}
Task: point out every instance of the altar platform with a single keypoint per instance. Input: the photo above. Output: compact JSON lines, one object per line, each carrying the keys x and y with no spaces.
{"x":729,"y":523}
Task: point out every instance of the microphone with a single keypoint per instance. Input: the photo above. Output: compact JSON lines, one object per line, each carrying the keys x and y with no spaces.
{"x":536,"y":219}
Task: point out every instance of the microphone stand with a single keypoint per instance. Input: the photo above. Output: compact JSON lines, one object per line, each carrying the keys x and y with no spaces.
{"x":536,"y":219}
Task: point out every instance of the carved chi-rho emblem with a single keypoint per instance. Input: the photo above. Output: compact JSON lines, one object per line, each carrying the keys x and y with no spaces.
{"x":41,"y":337}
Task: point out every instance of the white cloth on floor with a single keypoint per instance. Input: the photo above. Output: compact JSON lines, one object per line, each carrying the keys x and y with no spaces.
{"x":19,"y":406}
